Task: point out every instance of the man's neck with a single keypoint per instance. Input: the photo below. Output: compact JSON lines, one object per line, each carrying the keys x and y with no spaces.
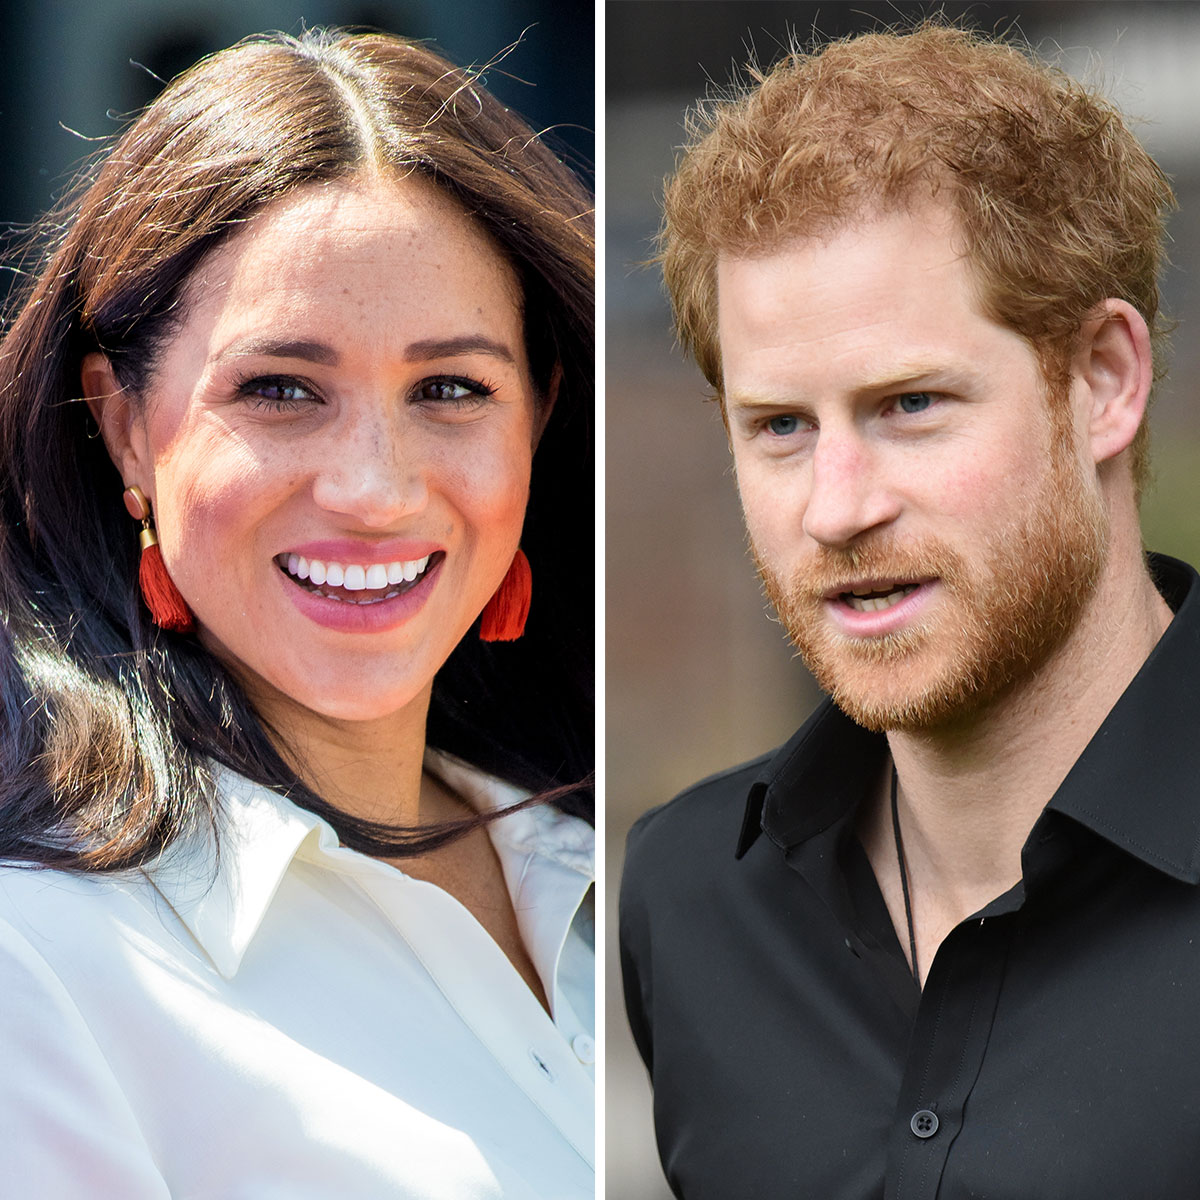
{"x":970,"y":794}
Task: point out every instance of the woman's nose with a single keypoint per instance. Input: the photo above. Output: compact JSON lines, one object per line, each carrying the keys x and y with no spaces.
{"x":371,"y":471}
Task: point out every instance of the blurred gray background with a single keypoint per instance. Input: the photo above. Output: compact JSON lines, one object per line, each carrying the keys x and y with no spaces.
{"x":698,"y":676}
{"x":74,"y":69}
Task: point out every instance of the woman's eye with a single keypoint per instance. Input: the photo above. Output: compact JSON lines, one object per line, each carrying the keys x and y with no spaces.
{"x":914,"y":402}
{"x":783,"y":426}
{"x":278,"y":393}
{"x":454,"y":391}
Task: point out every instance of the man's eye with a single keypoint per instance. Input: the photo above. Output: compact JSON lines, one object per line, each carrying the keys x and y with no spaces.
{"x":783,"y":426}
{"x":914,"y":402}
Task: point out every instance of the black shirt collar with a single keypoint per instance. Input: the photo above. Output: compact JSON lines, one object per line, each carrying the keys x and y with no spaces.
{"x":1134,"y":785}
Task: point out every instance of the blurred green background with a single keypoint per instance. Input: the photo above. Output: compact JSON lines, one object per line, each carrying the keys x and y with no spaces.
{"x":699,"y":676}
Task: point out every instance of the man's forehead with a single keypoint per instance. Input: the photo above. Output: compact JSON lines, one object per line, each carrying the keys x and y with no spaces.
{"x":936,"y":213}
{"x":877,"y":250}
{"x":885,"y":302}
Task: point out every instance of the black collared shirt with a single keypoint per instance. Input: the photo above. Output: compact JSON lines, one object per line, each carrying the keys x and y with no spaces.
{"x":1055,"y":1049}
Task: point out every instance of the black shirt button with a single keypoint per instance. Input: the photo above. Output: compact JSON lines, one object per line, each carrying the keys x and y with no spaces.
{"x":924,"y":1123}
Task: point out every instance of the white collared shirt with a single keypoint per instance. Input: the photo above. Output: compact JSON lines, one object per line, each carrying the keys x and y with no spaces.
{"x":295,"y":1020}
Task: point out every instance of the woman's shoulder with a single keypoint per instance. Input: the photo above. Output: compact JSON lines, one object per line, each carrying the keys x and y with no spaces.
{"x":59,"y":1089}
{"x":84,"y":917}
{"x":52,"y":900}
{"x":70,"y":919}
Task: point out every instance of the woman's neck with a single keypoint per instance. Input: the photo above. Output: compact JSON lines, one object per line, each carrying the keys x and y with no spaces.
{"x":370,"y":769}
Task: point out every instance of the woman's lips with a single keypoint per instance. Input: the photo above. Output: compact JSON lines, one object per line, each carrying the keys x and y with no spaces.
{"x":375,"y":580}
{"x":361,"y":582}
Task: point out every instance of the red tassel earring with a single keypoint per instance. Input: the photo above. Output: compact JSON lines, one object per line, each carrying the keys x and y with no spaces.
{"x":505,"y":613}
{"x":166,"y":605}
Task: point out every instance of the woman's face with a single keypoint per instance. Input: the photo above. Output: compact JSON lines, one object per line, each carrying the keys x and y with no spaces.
{"x":337,"y":443}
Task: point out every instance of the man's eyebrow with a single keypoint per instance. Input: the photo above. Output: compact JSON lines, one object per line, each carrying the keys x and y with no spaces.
{"x":915,"y":375}
{"x":755,"y":400}
{"x":907,"y":374}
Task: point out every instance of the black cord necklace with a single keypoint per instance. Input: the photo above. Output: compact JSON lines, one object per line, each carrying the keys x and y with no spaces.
{"x":912,"y":936}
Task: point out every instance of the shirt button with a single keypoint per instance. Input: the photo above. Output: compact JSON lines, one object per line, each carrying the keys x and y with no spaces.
{"x":584,"y":1047}
{"x":924,"y":1123}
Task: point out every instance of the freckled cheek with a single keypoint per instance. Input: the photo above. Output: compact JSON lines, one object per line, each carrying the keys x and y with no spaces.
{"x":490,"y":491}
{"x":212,"y":509}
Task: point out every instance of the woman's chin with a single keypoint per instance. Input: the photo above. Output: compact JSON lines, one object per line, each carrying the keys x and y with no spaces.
{"x":331,"y":693}
{"x":355,"y":702}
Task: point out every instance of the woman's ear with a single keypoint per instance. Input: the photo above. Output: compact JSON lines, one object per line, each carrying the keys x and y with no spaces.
{"x":118,"y":419}
{"x":1113,"y":362}
{"x":546,"y":407}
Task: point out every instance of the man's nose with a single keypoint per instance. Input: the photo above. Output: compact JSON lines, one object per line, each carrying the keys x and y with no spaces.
{"x":850,"y":491}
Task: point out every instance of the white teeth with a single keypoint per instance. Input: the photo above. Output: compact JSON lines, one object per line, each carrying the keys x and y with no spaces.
{"x":354,"y":577}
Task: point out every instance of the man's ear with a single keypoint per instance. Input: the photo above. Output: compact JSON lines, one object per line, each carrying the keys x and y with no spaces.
{"x":118,"y":419}
{"x":1113,"y":363}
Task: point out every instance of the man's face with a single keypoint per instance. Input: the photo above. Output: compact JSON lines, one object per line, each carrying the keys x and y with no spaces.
{"x":926,"y":523}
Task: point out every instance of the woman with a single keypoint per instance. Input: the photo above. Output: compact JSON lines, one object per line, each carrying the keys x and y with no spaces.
{"x":302,"y":331}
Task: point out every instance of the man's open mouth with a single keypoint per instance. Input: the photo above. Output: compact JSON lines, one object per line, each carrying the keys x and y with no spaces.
{"x":878,"y":598}
{"x":357,"y":583}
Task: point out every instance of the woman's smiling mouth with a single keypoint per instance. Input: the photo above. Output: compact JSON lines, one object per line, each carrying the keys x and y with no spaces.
{"x":357,"y":583}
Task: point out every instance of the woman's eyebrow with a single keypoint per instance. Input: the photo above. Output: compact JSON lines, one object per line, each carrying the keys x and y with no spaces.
{"x":451,"y":347}
{"x":317,"y":352}
{"x":320,"y":352}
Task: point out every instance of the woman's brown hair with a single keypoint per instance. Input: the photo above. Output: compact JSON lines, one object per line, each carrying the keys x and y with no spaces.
{"x":110,"y":725}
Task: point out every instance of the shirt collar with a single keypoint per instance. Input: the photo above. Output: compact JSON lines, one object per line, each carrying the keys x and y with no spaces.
{"x":1134,"y":785}
{"x":222,"y":887}
{"x":1136,"y":782}
{"x":539,"y":829}
{"x":548,"y":859}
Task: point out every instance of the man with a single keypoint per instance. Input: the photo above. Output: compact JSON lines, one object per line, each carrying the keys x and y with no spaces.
{"x":946,"y":941}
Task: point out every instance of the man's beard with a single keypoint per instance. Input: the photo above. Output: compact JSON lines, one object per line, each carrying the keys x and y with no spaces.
{"x":1001,"y":613}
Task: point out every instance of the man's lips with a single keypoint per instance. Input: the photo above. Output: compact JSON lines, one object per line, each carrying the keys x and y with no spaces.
{"x":872,"y":595}
{"x":861,"y":600}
